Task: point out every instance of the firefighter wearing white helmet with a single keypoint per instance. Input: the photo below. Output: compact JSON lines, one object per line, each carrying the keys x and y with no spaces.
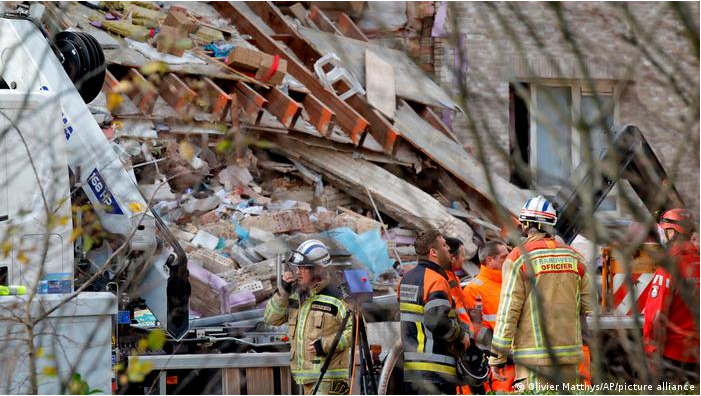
{"x":546,"y":275}
{"x":313,"y":310}
{"x":538,"y":213}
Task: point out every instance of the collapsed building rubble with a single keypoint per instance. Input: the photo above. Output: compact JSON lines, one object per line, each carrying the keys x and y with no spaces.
{"x":247,"y":138}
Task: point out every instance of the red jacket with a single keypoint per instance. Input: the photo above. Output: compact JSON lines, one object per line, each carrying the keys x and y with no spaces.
{"x":668,"y":321}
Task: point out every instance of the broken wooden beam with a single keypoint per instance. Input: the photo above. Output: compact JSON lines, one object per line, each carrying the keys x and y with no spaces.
{"x":284,"y":108}
{"x":253,"y":103}
{"x":382,"y":130}
{"x":397,"y":198}
{"x":144,"y":94}
{"x":348,"y":28}
{"x":432,"y":118}
{"x":299,"y":12}
{"x":281,"y":37}
{"x":177,"y":94}
{"x":350,"y":121}
{"x":453,"y":158}
{"x":309,"y":54}
{"x":321,"y":20}
{"x":218,"y":101}
{"x":320,"y":115}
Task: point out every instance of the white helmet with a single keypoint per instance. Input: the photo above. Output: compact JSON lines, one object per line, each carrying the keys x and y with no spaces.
{"x":538,"y":210}
{"x":311,"y":253}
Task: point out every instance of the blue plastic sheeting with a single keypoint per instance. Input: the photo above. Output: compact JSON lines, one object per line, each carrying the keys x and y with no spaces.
{"x":219,"y":50}
{"x":368,"y":248}
{"x":241,"y":232}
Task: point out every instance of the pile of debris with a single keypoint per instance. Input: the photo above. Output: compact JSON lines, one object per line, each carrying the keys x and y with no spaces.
{"x":249,"y":213}
{"x":250,"y":128}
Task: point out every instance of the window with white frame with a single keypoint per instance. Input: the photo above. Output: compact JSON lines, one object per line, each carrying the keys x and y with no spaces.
{"x":544,"y":134}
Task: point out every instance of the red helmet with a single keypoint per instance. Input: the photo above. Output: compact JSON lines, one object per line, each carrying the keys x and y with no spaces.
{"x":677,"y":219}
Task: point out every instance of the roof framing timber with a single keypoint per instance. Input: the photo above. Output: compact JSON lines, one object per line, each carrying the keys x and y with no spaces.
{"x":352,"y":123}
{"x":380,"y":128}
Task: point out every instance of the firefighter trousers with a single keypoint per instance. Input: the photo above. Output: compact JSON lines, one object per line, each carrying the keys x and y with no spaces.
{"x":331,"y":387}
{"x":540,"y":378}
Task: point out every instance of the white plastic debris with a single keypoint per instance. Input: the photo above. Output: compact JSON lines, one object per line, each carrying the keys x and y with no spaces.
{"x":205,"y":240}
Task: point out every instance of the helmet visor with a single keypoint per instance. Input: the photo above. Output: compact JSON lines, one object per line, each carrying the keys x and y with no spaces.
{"x":298,"y":259}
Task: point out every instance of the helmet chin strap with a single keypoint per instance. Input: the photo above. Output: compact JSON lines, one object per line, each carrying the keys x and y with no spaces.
{"x":529,"y":225}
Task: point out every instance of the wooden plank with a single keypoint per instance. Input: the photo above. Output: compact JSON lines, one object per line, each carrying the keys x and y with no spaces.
{"x":285,"y":381}
{"x":252,"y":102}
{"x":432,"y":118}
{"x":397,"y":198}
{"x":321,"y":20}
{"x":260,"y":381}
{"x":177,"y":94}
{"x":249,"y":106}
{"x":379,"y":84}
{"x":284,"y":108}
{"x":382,"y":130}
{"x":218,"y":100}
{"x":299,"y":12}
{"x":455,"y":160}
{"x":352,"y":123}
{"x":320,"y":115}
{"x":285,"y":38}
{"x":145,"y":93}
{"x":231,"y":381}
{"x":411,"y":82}
{"x":348,"y":28}
{"x":456,"y":190}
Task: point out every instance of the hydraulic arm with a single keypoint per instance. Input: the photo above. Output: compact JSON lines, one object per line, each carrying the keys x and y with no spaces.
{"x":631,"y":158}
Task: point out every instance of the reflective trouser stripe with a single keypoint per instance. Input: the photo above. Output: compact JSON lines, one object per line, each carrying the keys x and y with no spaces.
{"x":413,"y":308}
{"x":425,"y":366}
{"x":431,"y":357}
{"x":330,"y":374}
{"x":409,"y":317}
{"x":420,"y":338}
{"x":560,"y":351}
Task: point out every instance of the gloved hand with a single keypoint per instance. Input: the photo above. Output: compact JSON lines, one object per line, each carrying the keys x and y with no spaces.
{"x":286,"y":282}
{"x":498,"y":361}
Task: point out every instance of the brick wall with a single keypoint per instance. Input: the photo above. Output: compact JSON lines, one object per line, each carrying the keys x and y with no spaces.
{"x":495,"y":56}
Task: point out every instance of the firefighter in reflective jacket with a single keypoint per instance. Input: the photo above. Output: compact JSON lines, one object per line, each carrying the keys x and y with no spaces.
{"x":670,"y":330}
{"x":431,"y":333}
{"x":546,"y":275}
{"x":486,"y":287}
{"x":457,"y":258}
{"x":313,"y":311}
